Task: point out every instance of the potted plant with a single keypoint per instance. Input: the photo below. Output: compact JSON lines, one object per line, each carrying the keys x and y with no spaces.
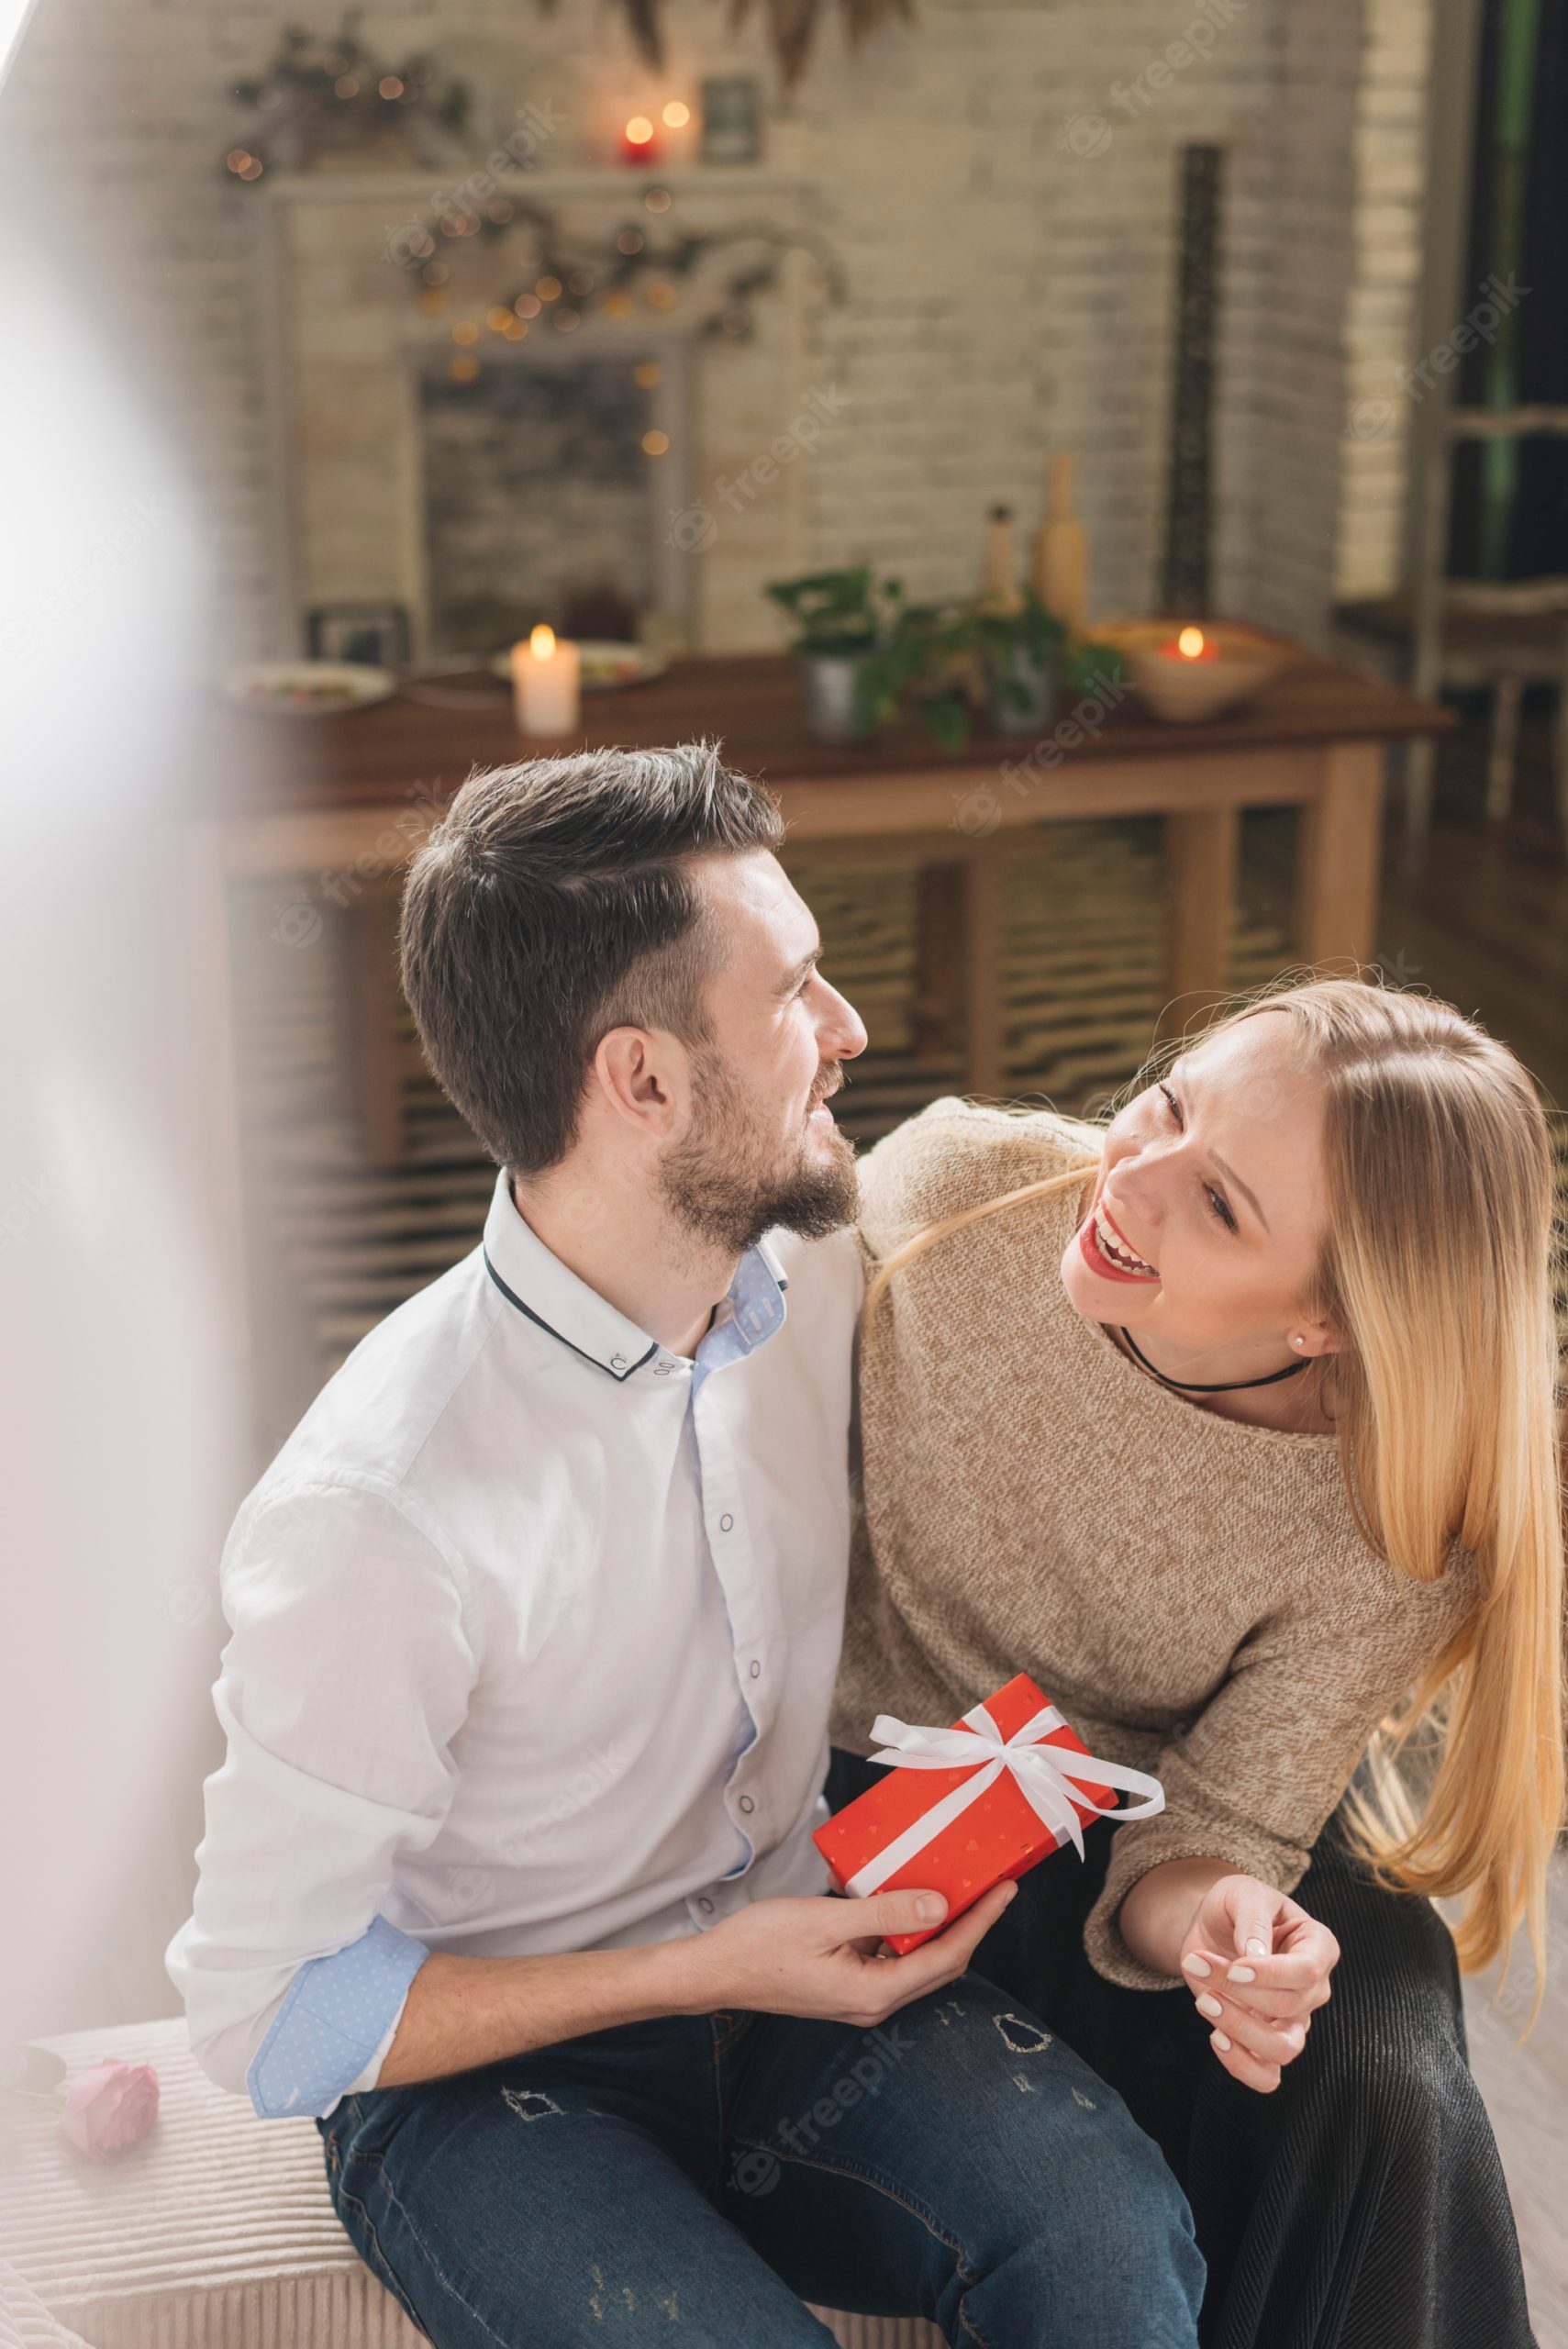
{"x":844,"y":619}
{"x":949,"y":658}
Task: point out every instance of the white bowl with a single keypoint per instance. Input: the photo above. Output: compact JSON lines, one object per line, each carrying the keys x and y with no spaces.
{"x":1237,"y":663}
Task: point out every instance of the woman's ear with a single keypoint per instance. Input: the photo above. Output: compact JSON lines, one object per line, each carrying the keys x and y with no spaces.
{"x":1310,"y":1338}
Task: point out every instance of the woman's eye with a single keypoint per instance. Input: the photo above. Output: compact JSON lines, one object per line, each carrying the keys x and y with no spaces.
{"x":1172,"y":1103}
{"x":1220,"y":1208}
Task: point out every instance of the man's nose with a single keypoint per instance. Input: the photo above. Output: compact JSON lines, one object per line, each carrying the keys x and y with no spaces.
{"x":843,"y":1035}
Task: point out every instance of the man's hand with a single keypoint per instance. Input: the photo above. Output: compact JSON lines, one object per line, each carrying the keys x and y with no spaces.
{"x":824,"y":1957}
{"x":1259,"y":1967}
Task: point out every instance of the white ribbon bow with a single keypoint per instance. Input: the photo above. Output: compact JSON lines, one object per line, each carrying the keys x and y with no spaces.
{"x":1044,"y":1776}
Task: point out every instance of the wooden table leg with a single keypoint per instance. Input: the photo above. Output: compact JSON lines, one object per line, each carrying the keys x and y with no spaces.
{"x":374,"y":1040}
{"x":1201,"y":854}
{"x":936,"y":1010}
{"x":1337,"y":858}
{"x":984,"y":968}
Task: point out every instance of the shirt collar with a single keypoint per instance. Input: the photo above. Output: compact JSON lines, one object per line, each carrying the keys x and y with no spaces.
{"x":535,"y":1283}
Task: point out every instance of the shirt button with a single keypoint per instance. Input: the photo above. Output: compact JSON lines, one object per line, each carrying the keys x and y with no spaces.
{"x":725,"y":1523}
{"x":756,"y":1669}
{"x":706,"y":1905}
{"x":747,"y":1804}
{"x":617,"y":1362}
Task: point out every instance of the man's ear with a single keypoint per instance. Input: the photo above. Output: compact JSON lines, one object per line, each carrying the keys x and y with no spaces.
{"x":642,"y":1075}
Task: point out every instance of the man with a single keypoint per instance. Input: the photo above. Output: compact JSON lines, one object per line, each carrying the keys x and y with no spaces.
{"x":508,"y":1876}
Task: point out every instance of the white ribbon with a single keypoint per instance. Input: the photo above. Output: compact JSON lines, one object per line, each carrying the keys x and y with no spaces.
{"x":1044,"y":1776}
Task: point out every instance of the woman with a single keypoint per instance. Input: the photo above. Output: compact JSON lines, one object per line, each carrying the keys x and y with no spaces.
{"x":1232,"y":1423}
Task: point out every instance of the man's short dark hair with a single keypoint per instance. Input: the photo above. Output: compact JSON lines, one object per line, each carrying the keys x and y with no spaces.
{"x":553,"y":902}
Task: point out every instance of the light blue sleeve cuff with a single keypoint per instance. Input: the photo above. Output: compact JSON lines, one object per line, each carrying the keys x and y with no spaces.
{"x":334,"y":2015}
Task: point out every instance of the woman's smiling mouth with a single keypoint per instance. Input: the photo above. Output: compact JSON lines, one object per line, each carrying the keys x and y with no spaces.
{"x":1108,"y":1253}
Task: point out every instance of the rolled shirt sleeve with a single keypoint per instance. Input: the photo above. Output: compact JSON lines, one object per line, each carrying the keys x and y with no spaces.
{"x":349,"y":1670}
{"x":1256,"y":1776}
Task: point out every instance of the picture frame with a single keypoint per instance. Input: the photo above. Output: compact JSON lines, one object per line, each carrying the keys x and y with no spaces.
{"x":731,"y":119}
{"x":375,"y":633}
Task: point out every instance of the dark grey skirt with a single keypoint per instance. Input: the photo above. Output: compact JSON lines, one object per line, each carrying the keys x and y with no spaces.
{"x":1363,"y":2204}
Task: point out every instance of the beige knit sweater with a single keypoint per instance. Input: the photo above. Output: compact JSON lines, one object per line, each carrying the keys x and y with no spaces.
{"x":1191,"y":1591}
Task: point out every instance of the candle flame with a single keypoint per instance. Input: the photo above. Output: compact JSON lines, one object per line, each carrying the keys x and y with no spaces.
{"x":541,"y":643}
{"x":639,"y":130}
{"x":1190,"y":642}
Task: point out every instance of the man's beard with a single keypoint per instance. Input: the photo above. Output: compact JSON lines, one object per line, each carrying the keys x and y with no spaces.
{"x":729,"y":1186}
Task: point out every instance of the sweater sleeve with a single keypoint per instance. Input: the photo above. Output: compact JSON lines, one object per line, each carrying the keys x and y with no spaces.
{"x":1257,"y":1773}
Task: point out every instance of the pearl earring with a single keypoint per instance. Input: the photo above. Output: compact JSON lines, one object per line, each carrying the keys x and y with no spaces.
{"x":1298,"y":1341}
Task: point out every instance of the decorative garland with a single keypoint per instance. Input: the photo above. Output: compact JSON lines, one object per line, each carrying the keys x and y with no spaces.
{"x":570,"y":283}
{"x":791,"y":24}
{"x":339,"y":83}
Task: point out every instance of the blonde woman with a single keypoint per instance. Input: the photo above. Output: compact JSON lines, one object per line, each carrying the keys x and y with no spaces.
{"x":1232,"y":1422}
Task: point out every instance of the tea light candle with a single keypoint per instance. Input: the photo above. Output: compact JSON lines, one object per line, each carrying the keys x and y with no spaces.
{"x":545,"y":683}
{"x":641,"y":142}
{"x":1191,"y":644}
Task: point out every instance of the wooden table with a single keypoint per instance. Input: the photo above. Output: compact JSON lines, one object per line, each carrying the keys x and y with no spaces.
{"x":346,"y":799}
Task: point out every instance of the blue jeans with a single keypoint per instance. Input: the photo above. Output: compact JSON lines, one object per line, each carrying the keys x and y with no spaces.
{"x":695,"y":2180}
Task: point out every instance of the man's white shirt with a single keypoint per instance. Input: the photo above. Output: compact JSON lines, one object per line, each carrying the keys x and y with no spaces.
{"x":533,"y":1631}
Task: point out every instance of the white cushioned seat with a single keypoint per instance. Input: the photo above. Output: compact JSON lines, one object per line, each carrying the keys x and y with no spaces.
{"x":217,"y":2231}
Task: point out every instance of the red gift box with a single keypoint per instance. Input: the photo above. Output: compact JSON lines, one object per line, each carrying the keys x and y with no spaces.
{"x":997,"y":1834}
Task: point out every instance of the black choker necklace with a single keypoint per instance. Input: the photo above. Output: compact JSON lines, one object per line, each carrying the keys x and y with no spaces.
{"x":1230,"y":1385}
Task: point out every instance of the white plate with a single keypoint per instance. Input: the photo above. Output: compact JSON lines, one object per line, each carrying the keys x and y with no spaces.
{"x":307,"y":688}
{"x":604,"y":664}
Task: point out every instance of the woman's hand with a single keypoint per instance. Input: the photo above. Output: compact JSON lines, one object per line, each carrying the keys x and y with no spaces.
{"x":1259,"y":1967}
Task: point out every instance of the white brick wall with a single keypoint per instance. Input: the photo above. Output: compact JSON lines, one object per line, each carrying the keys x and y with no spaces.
{"x":1011,"y":271}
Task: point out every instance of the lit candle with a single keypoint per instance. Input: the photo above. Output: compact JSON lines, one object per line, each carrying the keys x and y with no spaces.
{"x":545,"y":683}
{"x":640,"y":144}
{"x":1191,"y":644}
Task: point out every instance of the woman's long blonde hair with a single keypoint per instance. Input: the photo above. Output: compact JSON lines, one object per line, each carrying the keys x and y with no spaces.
{"x":1436,"y":1273}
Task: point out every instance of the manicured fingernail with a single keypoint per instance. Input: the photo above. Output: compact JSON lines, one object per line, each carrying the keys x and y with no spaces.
{"x":931,"y":1908}
{"x":1242,"y":1974}
{"x":1255,"y":1948}
{"x":1222,"y":2043}
{"x":1208,"y":2006}
{"x":1194,"y":1963}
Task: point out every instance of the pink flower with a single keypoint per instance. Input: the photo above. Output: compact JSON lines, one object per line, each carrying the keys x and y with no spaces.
{"x":108,"y":2108}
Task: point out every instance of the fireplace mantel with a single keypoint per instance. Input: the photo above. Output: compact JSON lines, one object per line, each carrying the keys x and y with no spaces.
{"x":421,"y":188}
{"x":340,"y":340}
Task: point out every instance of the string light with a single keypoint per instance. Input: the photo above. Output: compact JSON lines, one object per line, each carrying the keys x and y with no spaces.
{"x":565,"y":320}
{"x":648,"y":374}
{"x":655,"y":444}
{"x":498,"y":319}
{"x":464,"y":370}
{"x":465,"y":331}
{"x":345,"y":86}
{"x":659,"y":199}
{"x":581,"y":281}
{"x":616,"y":306}
{"x":629,"y":240}
{"x":527,"y":305}
{"x":548,"y":288}
{"x":390,"y":86}
{"x":435,"y":272}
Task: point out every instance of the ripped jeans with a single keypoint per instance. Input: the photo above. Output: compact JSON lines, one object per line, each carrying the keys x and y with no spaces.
{"x":696,"y":2180}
